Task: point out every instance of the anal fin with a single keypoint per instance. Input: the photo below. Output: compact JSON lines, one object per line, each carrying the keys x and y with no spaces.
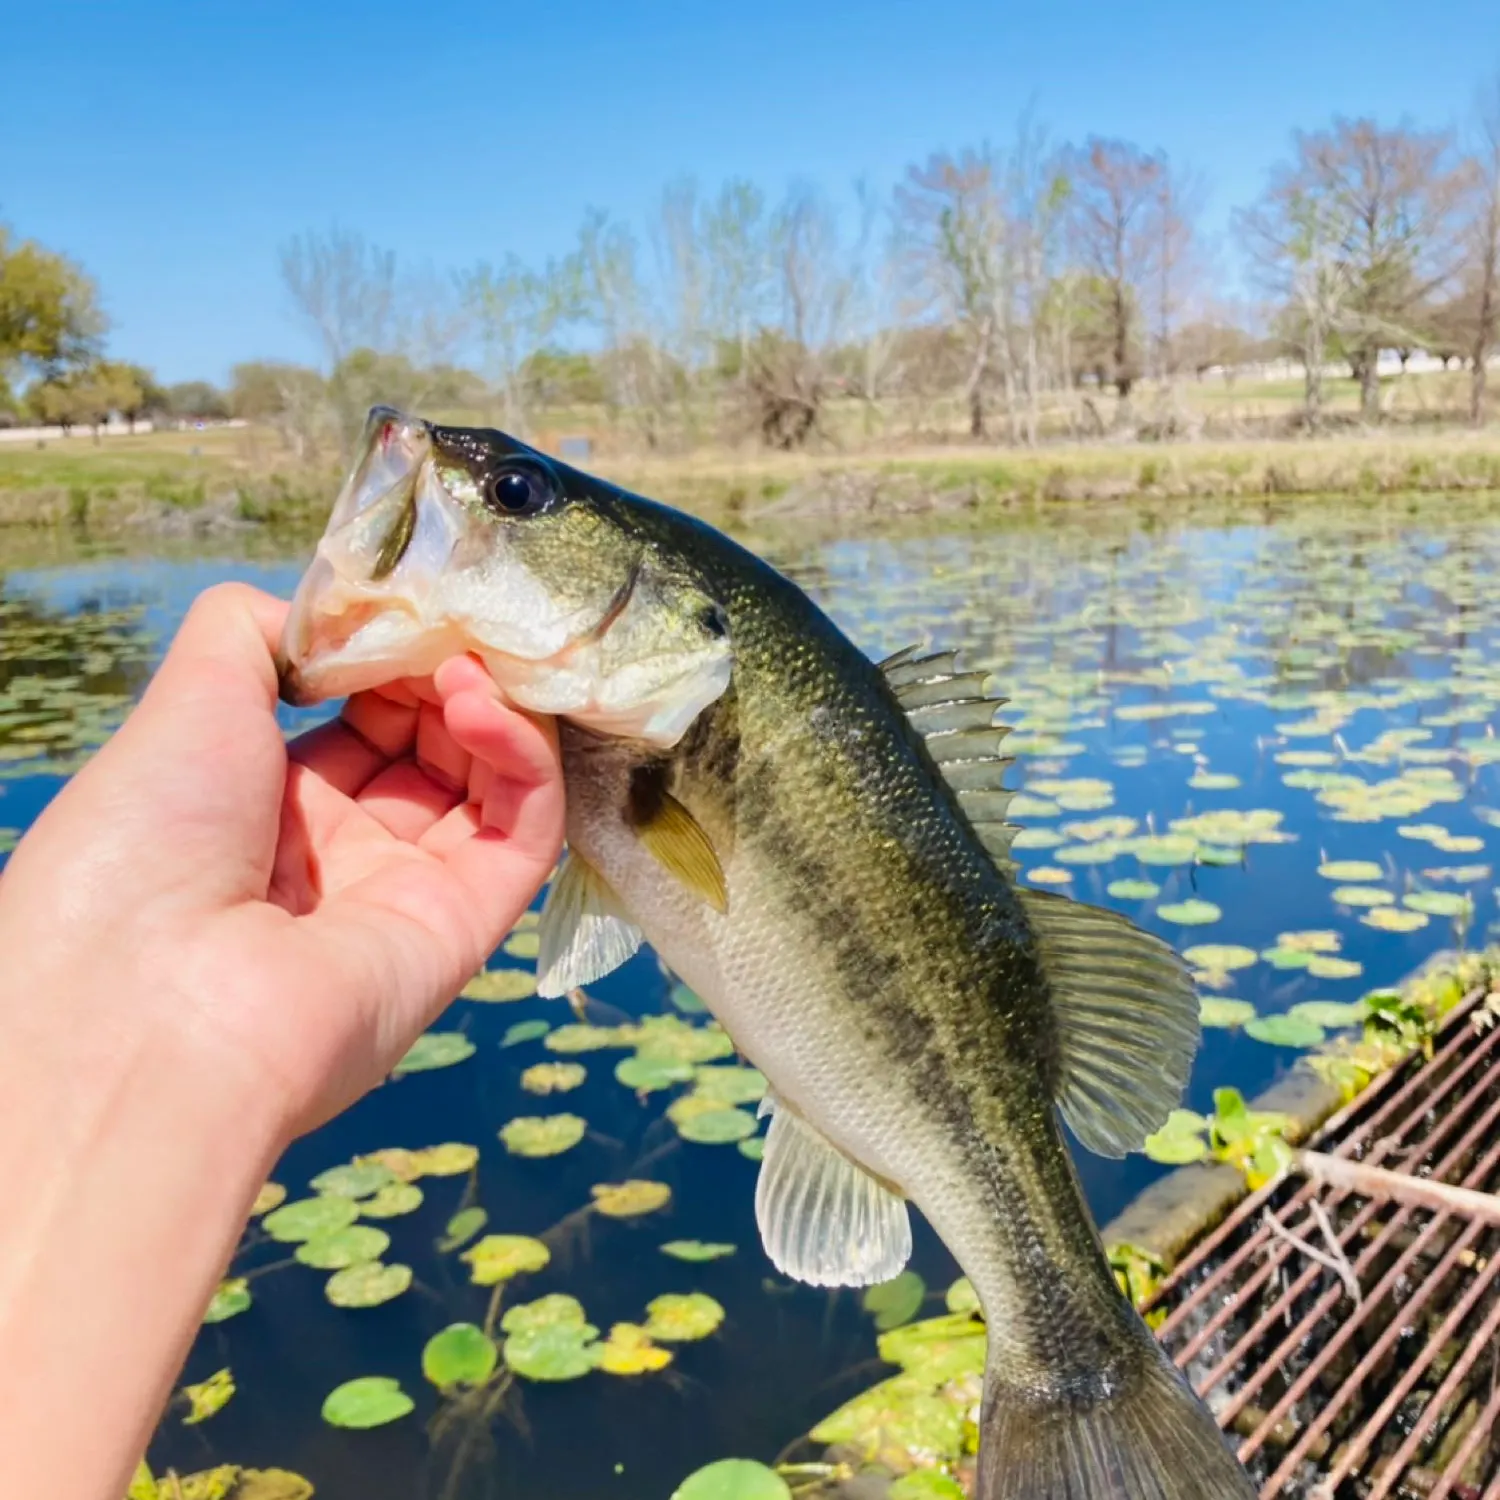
{"x":823,"y":1219}
{"x":583,"y":934}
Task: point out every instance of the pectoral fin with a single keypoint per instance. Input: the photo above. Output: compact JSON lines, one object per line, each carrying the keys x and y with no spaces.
{"x":823,"y":1219}
{"x":584,"y":934}
{"x":674,"y":838}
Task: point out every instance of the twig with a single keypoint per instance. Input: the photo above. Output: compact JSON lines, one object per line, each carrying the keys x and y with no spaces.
{"x":1339,"y":1267}
{"x":1398,"y":1187}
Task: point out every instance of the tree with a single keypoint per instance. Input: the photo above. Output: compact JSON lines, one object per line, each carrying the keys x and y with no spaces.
{"x":1116,"y":201}
{"x":148,"y":396}
{"x":516,"y":312}
{"x":1295,"y":242}
{"x":1374,"y":214}
{"x":49,"y":314}
{"x":1482,"y":249}
{"x":951,"y":216}
{"x":291,"y":398}
{"x":345,"y":290}
{"x":197,"y":401}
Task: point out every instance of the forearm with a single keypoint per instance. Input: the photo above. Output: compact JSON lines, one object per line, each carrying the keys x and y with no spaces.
{"x":128,"y":1184}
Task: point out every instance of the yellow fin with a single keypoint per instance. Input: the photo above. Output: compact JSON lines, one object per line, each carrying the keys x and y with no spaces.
{"x":674,"y":839}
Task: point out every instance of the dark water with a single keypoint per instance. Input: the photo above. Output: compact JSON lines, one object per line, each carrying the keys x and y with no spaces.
{"x":1137,"y":659}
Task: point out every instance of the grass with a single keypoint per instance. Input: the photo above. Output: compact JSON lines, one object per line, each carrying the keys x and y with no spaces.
{"x":167,"y":478}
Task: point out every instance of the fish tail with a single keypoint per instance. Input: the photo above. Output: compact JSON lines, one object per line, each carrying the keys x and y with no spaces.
{"x":1152,"y":1440}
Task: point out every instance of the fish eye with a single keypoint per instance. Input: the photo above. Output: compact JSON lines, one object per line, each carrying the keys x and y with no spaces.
{"x":715,"y":621}
{"x":520,"y":489}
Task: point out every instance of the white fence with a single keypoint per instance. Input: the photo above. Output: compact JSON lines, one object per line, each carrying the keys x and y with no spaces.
{"x":115,"y":427}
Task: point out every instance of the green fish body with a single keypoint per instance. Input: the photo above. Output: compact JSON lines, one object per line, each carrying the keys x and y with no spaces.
{"x":821,"y":853}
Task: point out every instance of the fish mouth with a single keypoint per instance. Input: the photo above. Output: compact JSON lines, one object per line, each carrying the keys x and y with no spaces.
{"x":416,"y":566}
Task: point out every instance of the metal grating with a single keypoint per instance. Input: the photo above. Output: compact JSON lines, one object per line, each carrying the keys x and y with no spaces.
{"x":1349,"y":1335}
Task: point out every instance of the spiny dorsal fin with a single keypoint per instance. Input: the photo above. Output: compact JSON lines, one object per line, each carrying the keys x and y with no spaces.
{"x":956,"y":719}
{"x":1127,"y":1020}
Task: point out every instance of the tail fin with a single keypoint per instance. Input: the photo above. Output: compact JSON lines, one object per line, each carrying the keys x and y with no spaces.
{"x":1155,"y":1440}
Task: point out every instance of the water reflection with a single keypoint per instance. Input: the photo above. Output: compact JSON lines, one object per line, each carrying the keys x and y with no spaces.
{"x":1323,"y":688}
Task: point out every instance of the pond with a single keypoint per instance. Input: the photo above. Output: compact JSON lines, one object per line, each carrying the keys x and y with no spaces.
{"x":1269,"y":738}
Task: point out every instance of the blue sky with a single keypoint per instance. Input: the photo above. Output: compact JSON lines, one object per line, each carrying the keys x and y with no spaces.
{"x":172,"y":147}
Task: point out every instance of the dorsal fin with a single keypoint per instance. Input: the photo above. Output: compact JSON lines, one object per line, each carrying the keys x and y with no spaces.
{"x":956,"y":719}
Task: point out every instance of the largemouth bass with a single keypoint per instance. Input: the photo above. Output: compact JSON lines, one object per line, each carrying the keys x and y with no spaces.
{"x":817,"y":845}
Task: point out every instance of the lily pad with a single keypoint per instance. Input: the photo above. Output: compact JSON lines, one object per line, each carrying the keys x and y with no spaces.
{"x":498,"y":1257}
{"x":1285,"y":1031}
{"x":628,"y":1200}
{"x":961,"y":1296}
{"x":272,"y":1195}
{"x":462,"y":1228}
{"x":231,"y":1297}
{"x":309,"y":1217}
{"x":556,"y":1309}
{"x":714,"y":1127}
{"x":1192,"y":913}
{"x":1393,"y":919}
{"x":343,"y":1247}
{"x":543,"y":1135}
{"x":553,"y":1078}
{"x":208,"y":1397}
{"x":1215,"y":1010}
{"x":896,"y":1301}
{"x":1328,"y":966}
{"x":461,"y":1355}
{"x":524,"y":1031}
{"x":686,"y":1000}
{"x":368,"y":1284}
{"x":629,"y":1350}
{"x":646,"y":1075}
{"x":696,"y":1250}
{"x":435,"y":1049}
{"x":733,"y":1479}
{"x":730,"y":1085}
{"x":392,"y":1201}
{"x":1438,"y":903}
{"x":1363,"y":895}
{"x":370,"y":1401}
{"x":451,"y":1159}
{"x":1180,"y":1140}
{"x":1050,"y":875}
{"x":583,"y":1038}
{"x":681,"y":1317}
{"x":524,"y":944}
{"x":671,"y":1039}
{"x":1165,"y":850}
{"x":754,"y":1148}
{"x":552,"y":1352}
{"x":1333,"y":1015}
{"x":358,"y":1179}
{"x":1220,"y":958}
{"x":1133,"y":890}
{"x":1353,"y":871}
{"x":500,"y":985}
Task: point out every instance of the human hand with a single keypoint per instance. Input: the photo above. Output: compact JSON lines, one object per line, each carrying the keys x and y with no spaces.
{"x":210,"y":945}
{"x":290,"y":921}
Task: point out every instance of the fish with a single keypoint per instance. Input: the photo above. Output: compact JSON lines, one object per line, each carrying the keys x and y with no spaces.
{"x":816,"y":843}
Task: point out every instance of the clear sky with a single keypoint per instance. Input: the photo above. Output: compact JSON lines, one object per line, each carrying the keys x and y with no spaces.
{"x":172,"y":145}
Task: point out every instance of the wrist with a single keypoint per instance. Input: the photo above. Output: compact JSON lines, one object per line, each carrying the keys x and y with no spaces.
{"x":137,"y":1164}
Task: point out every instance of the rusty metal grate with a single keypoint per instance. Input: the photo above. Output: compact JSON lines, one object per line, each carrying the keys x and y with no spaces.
{"x":1351,"y":1339}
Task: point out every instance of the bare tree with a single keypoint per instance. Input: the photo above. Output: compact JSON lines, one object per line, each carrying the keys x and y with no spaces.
{"x":789,"y":374}
{"x":1295,"y":240}
{"x":1382,"y":207}
{"x":952,"y":222}
{"x":1116,"y":198}
{"x":515,"y":312}
{"x":1483,"y":248}
{"x":1036,"y":197}
{"x":737,"y":242}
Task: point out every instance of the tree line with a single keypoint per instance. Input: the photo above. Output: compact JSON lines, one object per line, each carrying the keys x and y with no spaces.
{"x":1026,"y":289}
